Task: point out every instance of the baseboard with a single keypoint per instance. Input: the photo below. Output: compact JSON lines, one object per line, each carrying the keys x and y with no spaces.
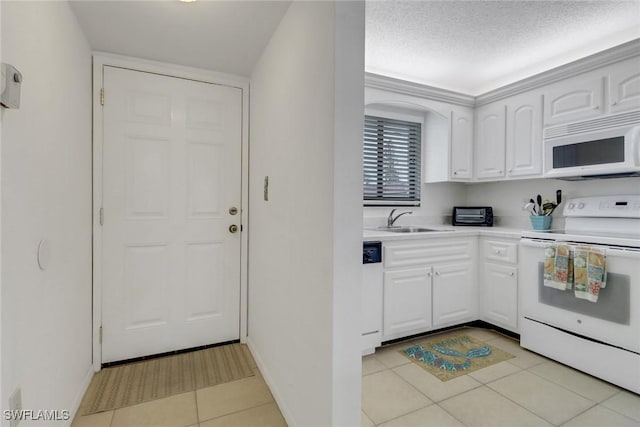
{"x":81,"y":392}
{"x":277,"y":396}
{"x":473,"y":324}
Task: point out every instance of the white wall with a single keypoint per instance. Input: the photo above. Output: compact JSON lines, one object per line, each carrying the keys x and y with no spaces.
{"x":436,"y":203}
{"x":347,"y":212}
{"x":2,"y":398}
{"x":507,"y":197}
{"x":46,"y":194}
{"x":306,"y":107}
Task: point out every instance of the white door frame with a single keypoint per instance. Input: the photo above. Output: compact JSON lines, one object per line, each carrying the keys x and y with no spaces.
{"x":100,"y":60}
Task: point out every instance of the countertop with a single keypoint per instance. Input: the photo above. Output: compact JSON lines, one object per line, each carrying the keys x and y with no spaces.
{"x":443,"y":231}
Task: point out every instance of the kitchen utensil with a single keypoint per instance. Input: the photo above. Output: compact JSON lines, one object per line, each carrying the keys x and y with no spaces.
{"x":548,"y":207}
{"x":530,"y":207}
{"x":558,"y":197}
{"x":535,"y":212}
{"x":539,"y":200}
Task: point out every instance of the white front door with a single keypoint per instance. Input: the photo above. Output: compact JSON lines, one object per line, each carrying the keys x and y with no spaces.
{"x":171,"y":174}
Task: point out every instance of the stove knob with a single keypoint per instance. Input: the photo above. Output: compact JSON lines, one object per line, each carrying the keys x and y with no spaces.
{"x":580,"y":205}
{"x":571,"y":206}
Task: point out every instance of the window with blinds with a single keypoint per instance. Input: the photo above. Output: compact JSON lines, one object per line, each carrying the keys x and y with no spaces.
{"x":391,"y":162}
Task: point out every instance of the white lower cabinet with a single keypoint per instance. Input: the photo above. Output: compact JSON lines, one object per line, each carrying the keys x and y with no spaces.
{"x":454,"y":295}
{"x":407,"y":302}
{"x":499,"y":283}
{"x":428,"y":284}
{"x":500,"y":295}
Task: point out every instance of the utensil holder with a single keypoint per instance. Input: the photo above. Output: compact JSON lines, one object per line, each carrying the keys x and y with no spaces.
{"x":541,"y":222}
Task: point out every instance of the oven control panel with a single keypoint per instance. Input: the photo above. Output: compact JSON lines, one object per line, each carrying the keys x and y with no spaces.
{"x":626,"y":206}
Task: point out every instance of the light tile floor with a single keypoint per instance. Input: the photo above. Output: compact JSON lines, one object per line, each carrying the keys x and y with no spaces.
{"x":528,"y":390}
{"x":243,"y":403}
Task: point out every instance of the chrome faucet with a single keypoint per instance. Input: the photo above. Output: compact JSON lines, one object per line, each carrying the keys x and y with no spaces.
{"x":391,"y":220}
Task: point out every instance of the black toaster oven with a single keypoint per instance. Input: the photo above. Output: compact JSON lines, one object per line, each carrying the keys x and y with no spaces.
{"x":475,"y":215}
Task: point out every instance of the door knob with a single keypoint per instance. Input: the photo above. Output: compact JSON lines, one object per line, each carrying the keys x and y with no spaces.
{"x":233,"y":210}
{"x":233,"y":228}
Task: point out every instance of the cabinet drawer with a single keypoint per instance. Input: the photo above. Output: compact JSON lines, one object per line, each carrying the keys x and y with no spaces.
{"x":401,"y":254}
{"x":500,"y":250}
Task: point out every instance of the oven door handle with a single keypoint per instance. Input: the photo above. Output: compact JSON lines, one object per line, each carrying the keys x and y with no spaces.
{"x":536,"y":243}
{"x":609,"y":250}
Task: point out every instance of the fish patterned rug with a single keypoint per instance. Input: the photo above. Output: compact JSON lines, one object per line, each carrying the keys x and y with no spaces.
{"x":450,"y":355}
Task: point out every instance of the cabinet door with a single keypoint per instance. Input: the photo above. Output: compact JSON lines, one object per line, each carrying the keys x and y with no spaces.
{"x":454,"y":294}
{"x":578,"y":98}
{"x":407,"y":302}
{"x":461,"y":145}
{"x":524,"y":135}
{"x":490,"y":141}
{"x":500,"y":295}
{"x":624,"y":86}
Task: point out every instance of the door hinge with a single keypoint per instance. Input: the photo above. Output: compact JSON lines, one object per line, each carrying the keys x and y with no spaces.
{"x":100,"y":334}
{"x":101,"y":216}
{"x":101,"y":96}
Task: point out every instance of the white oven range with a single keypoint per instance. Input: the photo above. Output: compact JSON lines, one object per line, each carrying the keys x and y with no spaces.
{"x":601,"y":338}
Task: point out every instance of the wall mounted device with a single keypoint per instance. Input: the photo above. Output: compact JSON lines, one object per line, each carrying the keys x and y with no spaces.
{"x":10,"y":91}
{"x":605,"y":147}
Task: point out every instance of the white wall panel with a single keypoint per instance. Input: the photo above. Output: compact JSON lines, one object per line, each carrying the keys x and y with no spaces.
{"x":46,"y":194}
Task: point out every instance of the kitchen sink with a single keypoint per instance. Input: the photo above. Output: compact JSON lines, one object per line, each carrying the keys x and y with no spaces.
{"x":408,"y":229}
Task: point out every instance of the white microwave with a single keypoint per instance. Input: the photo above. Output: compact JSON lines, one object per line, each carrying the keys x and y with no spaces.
{"x":604,"y":152}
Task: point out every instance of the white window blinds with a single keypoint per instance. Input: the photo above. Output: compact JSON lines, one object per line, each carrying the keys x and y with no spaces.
{"x":391,"y":162}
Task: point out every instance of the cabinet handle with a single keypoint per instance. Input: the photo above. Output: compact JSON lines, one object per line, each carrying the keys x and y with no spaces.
{"x":595,"y":107}
{"x":498,"y":251}
{"x":512,"y":274}
{"x":429,"y":274}
{"x":500,"y":172}
{"x":437,"y":273}
{"x":455,"y":173}
{"x":614,"y":103}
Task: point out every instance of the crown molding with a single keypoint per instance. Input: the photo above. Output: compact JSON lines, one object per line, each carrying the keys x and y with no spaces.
{"x":377,"y":81}
{"x":583,"y":65}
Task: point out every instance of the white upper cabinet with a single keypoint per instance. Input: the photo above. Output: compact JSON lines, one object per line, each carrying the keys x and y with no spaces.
{"x":490,"y":141}
{"x":524,"y":135}
{"x":499,"y":135}
{"x":577,"y":98}
{"x":624,"y":86}
{"x":461,"y":145}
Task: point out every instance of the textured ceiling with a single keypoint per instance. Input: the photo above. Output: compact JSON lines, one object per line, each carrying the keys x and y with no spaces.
{"x":225,"y":36}
{"x":476,"y":46}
